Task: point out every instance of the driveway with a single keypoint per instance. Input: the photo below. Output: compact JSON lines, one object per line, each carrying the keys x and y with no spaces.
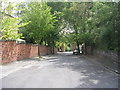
{"x":60,"y":71}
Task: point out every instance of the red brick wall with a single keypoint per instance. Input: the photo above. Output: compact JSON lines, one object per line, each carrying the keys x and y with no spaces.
{"x":10,"y":51}
{"x":43,"y":50}
{"x":23,"y":51}
{"x":0,"y":52}
{"x":49,"y":50}
{"x":34,"y":51}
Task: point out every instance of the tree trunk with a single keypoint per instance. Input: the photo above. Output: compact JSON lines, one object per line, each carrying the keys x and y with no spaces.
{"x":53,"y":50}
{"x":39,"y":43}
{"x":39,"y":51}
{"x":92,"y":47}
{"x":78,"y":46}
{"x":85,"y":50}
{"x":77,"y":41}
{"x":53,"y":47}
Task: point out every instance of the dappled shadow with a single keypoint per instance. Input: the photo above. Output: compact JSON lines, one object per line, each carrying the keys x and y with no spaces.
{"x":91,"y":75}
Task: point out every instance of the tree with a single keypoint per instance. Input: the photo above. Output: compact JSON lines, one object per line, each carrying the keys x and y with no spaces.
{"x":76,"y":17}
{"x":106,"y":21}
{"x":57,"y":10}
{"x":10,"y":24}
{"x":41,"y":23}
{"x":95,"y":22}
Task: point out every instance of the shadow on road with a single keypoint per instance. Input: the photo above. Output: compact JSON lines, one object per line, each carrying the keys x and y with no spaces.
{"x":91,"y":74}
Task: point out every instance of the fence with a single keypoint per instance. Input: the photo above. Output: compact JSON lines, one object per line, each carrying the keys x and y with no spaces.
{"x":107,"y":54}
{"x":10,"y":51}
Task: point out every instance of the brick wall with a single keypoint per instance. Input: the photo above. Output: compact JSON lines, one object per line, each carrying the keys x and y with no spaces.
{"x":34,"y":50}
{"x":10,"y":51}
{"x":89,"y":50}
{"x":49,"y":50}
{"x":44,"y":50}
{"x":0,"y":52}
{"x":112,"y":55}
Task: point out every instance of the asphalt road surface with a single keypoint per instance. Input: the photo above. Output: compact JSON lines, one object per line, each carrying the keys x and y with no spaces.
{"x":61,"y":71}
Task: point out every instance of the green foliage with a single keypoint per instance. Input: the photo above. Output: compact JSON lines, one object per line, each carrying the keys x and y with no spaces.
{"x":10,"y":28}
{"x":41,"y":21}
{"x":107,"y":25}
{"x":95,"y":22}
{"x":10,"y":25}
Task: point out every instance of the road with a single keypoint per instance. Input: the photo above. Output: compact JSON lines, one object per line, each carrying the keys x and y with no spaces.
{"x":61,"y":71}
